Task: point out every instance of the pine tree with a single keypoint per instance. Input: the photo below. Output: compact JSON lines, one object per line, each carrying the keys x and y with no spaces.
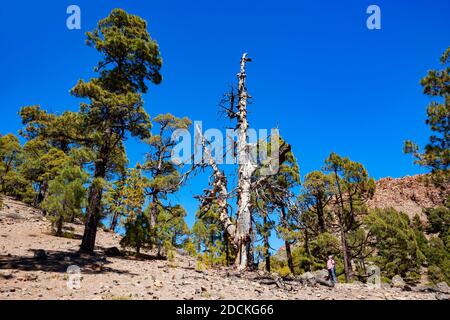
{"x":398,"y":251}
{"x":316,"y":196}
{"x":41,"y":164}
{"x":137,"y":233}
{"x":115,"y":108}
{"x":52,"y":141}
{"x":164,"y":174}
{"x":10,"y":150}
{"x":437,"y":248}
{"x":66,"y":196}
{"x":273,"y":195}
{"x":171,"y":230}
{"x":314,"y":218}
{"x":436,"y":154}
{"x":352,"y":189}
{"x":212,"y":244}
{"x":164,"y":179}
{"x":114,"y":200}
{"x":12,"y":181}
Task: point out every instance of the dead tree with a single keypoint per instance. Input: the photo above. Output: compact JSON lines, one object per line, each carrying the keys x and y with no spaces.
{"x":219,"y":191}
{"x":246,"y":168}
{"x":239,"y":231}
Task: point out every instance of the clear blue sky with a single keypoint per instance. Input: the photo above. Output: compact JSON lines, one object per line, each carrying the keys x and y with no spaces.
{"x":318,"y":73}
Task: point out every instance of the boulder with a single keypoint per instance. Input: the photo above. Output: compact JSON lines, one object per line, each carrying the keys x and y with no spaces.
{"x":6,"y":275}
{"x":398,"y":282}
{"x":443,"y":287}
{"x":442,"y":296}
{"x":327,"y":283}
{"x":113,"y":252}
{"x":321,"y":274}
{"x":182,"y":252}
{"x":308,"y":278}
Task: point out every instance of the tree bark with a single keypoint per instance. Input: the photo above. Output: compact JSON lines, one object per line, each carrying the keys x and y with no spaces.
{"x":287,"y":244}
{"x":227,"y":248}
{"x":320,"y":215}
{"x":220,"y":190}
{"x":245,"y":171}
{"x":241,"y":231}
{"x":114,"y":221}
{"x":94,"y":209}
{"x":345,"y":251}
{"x":59,"y":226}
{"x":306,"y":247}
{"x":153,"y":213}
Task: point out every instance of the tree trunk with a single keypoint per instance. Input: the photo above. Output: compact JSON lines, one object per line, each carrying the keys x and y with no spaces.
{"x":94,"y":209}
{"x":38,"y":191}
{"x":306,"y":247}
{"x":220,"y":191}
{"x":40,"y":195}
{"x":153,"y":214}
{"x":227,"y":248}
{"x":289,"y":256}
{"x":59,"y":226}
{"x":5,"y":173}
{"x":287,"y":244}
{"x":245,"y":171}
{"x":320,"y":216}
{"x":347,"y":265}
{"x":266,"y":241}
{"x":345,"y":249}
{"x":241,"y":231}
{"x":114,"y":220}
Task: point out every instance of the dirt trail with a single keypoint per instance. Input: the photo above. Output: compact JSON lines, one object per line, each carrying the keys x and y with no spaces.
{"x":25,"y":272}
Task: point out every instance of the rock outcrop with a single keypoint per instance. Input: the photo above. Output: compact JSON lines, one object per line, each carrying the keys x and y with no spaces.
{"x":410,"y":194}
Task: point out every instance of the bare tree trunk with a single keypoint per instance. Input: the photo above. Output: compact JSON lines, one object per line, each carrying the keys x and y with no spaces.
{"x":220,"y":190}
{"x":241,"y":231}
{"x":245,"y":171}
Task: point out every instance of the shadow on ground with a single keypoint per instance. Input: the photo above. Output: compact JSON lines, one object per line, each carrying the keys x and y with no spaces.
{"x":59,"y":261}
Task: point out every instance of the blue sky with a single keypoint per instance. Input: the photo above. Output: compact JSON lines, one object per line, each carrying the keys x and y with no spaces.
{"x":318,"y":73}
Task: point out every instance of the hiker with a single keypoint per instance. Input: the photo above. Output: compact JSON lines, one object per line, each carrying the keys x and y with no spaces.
{"x":331,"y":266}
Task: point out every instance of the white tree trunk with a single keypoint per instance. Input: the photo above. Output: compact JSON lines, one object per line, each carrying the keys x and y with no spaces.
{"x":220,"y":190}
{"x":241,"y":232}
{"x":245,"y":171}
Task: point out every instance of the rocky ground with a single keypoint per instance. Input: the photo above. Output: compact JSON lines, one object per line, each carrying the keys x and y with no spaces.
{"x":34,"y":263}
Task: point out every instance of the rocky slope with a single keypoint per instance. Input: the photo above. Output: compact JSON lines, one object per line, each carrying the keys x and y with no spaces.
{"x":34,"y":264}
{"x":410,"y":194}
